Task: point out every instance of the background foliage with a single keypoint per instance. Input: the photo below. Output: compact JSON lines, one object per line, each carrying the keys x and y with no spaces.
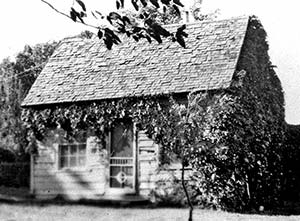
{"x":16,"y":78}
{"x":14,"y":174}
{"x":291,"y":159}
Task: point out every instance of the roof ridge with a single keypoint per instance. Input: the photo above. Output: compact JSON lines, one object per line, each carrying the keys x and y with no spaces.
{"x":209,"y":21}
{"x":190,"y":24}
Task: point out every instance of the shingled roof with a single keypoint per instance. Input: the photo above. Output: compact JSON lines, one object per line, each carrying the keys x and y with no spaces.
{"x":84,"y":70}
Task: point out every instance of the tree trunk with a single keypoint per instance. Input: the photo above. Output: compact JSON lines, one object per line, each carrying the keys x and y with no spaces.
{"x":186,"y":193}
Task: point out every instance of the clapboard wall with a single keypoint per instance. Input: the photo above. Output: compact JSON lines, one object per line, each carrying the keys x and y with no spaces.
{"x":147,"y":163}
{"x":48,"y":180}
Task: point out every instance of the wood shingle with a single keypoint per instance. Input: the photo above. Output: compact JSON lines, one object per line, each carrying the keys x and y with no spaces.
{"x":84,"y":70}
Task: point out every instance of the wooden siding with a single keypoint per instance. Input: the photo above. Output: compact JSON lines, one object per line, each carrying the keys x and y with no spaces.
{"x":147,"y":163}
{"x":48,"y":180}
{"x":92,"y":180}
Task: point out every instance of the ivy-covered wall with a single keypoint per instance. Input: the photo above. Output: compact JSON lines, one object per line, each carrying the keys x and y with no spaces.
{"x":263,"y":100}
{"x":247,"y":122}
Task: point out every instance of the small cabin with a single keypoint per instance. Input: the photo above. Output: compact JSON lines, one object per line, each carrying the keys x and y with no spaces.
{"x":85,"y":71}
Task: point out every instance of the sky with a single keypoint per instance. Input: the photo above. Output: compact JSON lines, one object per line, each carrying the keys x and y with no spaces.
{"x":32,"y":21}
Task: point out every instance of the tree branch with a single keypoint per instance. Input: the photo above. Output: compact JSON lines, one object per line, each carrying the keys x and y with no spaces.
{"x":64,"y":14}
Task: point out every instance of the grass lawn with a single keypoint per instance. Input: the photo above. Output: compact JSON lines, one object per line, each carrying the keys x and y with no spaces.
{"x":22,"y":212}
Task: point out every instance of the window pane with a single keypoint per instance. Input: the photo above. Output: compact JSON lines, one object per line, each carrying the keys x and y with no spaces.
{"x":72,"y":155}
{"x":64,"y":149}
{"x":128,"y":182}
{"x":81,"y":161}
{"x":128,"y":171}
{"x":122,"y":140}
{"x":114,"y":183}
{"x":72,"y":161}
{"x":82,"y":149}
{"x":63,"y":162}
{"x":114,"y":170}
{"x":73,"y":149}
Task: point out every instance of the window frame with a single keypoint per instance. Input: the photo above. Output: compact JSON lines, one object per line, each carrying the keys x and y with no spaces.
{"x":69,"y":155}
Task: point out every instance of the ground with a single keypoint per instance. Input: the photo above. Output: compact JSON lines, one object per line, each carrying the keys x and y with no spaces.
{"x":16,"y":212}
{"x":16,"y":206}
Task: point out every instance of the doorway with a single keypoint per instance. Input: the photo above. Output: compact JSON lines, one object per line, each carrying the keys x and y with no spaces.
{"x":122,"y":166}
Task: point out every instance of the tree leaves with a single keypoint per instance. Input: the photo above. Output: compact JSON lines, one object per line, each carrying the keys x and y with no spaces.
{"x":126,"y":20}
{"x":78,"y":15}
{"x":110,"y":38}
{"x":81,"y":4}
{"x":181,"y":29}
{"x":122,"y":23}
{"x":100,"y":14}
{"x":176,"y":9}
{"x":166,"y":2}
{"x":144,"y":3}
{"x":119,"y":4}
{"x":148,"y":38}
{"x":155,"y":36}
{"x":177,"y":2}
{"x":100,"y":34}
{"x":156,"y":31}
{"x":180,"y":34}
{"x":74,"y":15}
{"x":155,"y":3}
{"x":113,"y":16}
{"x":135,"y":5}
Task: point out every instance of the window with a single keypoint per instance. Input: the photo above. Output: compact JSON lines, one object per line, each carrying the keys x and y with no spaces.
{"x":72,"y":155}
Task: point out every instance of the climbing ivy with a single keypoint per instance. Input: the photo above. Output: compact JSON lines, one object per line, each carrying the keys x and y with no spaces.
{"x":96,"y":116}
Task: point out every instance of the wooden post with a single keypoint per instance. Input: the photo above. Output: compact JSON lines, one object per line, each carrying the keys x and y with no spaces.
{"x":32,"y":174}
{"x":135,"y":154}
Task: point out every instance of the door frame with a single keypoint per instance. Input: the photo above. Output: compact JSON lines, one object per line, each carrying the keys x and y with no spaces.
{"x":126,"y":191}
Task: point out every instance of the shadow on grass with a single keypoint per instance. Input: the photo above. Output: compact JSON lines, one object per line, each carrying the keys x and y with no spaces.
{"x":22,"y":197}
{"x":60,"y":201}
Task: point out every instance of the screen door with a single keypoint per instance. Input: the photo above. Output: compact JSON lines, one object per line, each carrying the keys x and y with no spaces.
{"x":122,"y":160}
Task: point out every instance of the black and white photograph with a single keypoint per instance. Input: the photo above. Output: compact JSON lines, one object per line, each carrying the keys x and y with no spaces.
{"x":145,"y":110}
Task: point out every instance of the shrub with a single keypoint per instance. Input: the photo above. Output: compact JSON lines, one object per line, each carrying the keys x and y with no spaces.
{"x":7,"y":155}
{"x":14,"y":174}
{"x":291,"y":159}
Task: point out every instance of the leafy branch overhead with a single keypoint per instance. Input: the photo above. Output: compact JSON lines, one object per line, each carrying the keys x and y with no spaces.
{"x":140,"y":26}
